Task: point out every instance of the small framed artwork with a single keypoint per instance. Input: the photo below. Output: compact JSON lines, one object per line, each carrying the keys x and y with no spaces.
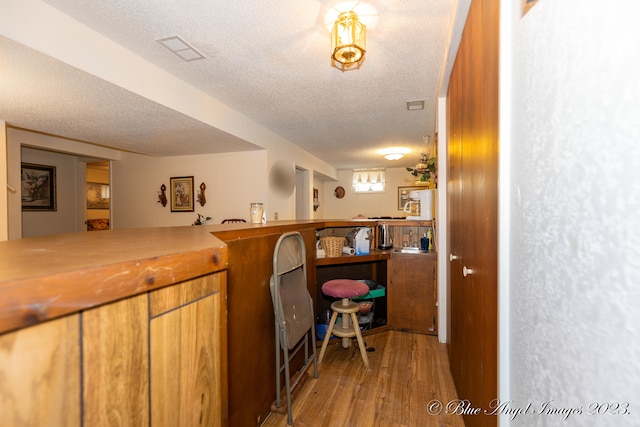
{"x":526,"y":5}
{"x":38,"y":187}
{"x":98,"y":195}
{"x":403,"y":195}
{"x":181,"y":193}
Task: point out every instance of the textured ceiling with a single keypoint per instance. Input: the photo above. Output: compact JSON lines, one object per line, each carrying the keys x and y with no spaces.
{"x":268,"y":60}
{"x":43,"y":94}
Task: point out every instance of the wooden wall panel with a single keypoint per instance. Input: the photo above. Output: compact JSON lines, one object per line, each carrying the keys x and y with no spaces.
{"x":252,"y":385}
{"x":251,"y":339}
{"x":172,"y":297}
{"x":116,"y":363}
{"x":40,"y":375}
{"x":186,"y":365}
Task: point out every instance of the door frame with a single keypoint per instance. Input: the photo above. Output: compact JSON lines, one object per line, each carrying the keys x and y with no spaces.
{"x":302,"y":194}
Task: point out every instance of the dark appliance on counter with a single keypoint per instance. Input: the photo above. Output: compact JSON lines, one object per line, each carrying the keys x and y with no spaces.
{"x":385,"y":241}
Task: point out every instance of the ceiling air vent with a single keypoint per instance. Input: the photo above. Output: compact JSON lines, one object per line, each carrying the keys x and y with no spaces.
{"x":181,"y":48}
{"x":415,"y":105}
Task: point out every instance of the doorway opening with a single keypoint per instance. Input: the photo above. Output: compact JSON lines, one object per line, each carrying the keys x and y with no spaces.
{"x":97,"y":206}
{"x":302,"y":194}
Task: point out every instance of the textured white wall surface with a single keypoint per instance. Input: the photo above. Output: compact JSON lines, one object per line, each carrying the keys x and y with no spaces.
{"x":229,"y":188}
{"x":233,"y":181}
{"x":575,"y":241}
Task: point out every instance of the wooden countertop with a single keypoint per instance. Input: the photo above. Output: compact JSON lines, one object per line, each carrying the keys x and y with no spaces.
{"x":228,"y":232}
{"x":374,"y":255}
{"x":46,"y":277}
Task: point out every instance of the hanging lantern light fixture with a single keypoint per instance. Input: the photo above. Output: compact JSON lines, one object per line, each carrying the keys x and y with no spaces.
{"x":348,"y":41}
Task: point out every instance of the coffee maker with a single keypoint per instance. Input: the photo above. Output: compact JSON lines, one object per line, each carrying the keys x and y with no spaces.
{"x":423,"y":201}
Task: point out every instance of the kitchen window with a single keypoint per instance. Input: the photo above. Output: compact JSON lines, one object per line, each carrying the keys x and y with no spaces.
{"x":368,"y":180}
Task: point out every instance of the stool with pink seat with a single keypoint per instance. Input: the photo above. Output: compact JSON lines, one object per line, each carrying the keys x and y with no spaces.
{"x":349,"y":327}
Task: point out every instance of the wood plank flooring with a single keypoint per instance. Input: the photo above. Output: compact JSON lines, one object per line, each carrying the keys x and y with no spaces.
{"x":408,"y":371}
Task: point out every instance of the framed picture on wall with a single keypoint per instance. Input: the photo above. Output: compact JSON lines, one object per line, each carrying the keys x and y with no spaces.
{"x":38,"y":187}
{"x":526,"y":5}
{"x":98,"y":195}
{"x":181,"y":191}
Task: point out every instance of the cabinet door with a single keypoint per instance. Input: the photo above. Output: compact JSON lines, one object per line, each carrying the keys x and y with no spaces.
{"x":40,"y":375}
{"x":411,"y":293}
{"x":186,"y":354}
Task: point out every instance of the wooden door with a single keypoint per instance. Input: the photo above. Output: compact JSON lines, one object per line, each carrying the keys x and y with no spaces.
{"x":473,"y":207}
{"x":487,"y":244}
{"x":411,"y":293}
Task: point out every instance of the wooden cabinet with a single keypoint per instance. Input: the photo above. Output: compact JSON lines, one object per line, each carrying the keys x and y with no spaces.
{"x":411,"y":294}
{"x":157,"y":357}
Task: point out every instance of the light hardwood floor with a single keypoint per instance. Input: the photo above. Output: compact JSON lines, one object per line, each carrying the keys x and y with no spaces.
{"x":408,"y":371}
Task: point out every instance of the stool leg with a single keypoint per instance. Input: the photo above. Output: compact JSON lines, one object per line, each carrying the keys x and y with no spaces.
{"x":346,"y":342}
{"x":363,"y":351}
{"x":332,"y":322}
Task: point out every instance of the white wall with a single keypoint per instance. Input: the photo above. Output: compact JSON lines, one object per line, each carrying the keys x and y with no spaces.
{"x":233,"y":180}
{"x":368,"y":204}
{"x":574,"y":332}
{"x":442,"y":232}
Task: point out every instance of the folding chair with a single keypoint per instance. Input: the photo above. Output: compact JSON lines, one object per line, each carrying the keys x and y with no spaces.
{"x":293,"y":310}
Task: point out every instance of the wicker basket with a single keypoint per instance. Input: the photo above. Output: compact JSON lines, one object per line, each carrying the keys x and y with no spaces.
{"x":332,"y":245}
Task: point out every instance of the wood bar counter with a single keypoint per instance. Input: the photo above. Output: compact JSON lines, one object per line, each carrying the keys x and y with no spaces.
{"x":156,"y":326}
{"x":122,"y":327}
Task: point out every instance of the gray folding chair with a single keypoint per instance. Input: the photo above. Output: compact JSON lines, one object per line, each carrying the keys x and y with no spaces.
{"x":293,"y":310}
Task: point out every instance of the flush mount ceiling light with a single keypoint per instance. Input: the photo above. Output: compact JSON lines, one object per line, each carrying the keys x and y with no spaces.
{"x":394,"y":153}
{"x":181,"y":48}
{"x":415,"y":105}
{"x":348,"y":41}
